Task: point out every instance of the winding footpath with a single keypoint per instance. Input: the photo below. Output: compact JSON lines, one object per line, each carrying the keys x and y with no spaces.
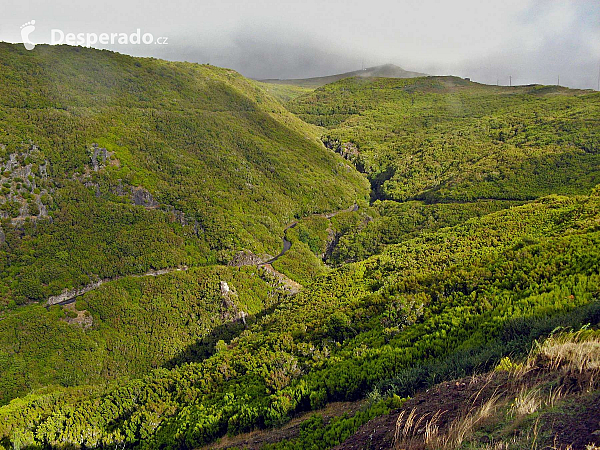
{"x":287,"y":244}
{"x":70,"y":295}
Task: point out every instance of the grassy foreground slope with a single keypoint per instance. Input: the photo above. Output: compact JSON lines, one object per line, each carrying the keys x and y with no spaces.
{"x":113,"y":165}
{"x":434,"y":307}
{"x":548,"y":400}
{"x":445,"y":139}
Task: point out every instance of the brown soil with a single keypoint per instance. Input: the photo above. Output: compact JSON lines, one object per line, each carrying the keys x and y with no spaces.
{"x":451,"y":398}
{"x":576,"y":425}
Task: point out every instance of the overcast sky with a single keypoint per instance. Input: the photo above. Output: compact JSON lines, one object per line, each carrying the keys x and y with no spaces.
{"x":535,"y":41}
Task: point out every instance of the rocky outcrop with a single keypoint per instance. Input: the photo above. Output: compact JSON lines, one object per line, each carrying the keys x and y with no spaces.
{"x":180,"y":217}
{"x":78,"y":318}
{"x":138,"y":195}
{"x":44,"y":170}
{"x":99,"y":156}
{"x":24,"y":186}
{"x":281,"y":281}
{"x":141,"y":197}
{"x":229,"y":310}
{"x":69,"y":295}
{"x":247,"y":258}
{"x":348,"y":151}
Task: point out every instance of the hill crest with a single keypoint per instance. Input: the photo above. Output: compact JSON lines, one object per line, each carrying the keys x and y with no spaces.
{"x":385,"y":71}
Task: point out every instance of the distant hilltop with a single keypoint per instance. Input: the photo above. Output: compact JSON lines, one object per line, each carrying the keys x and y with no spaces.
{"x":385,"y":71}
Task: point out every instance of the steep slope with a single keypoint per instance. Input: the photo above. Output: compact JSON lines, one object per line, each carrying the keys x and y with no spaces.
{"x":128,"y":327}
{"x":445,"y":139}
{"x":113,"y":165}
{"x":386,"y":71}
{"x":546,"y":401}
{"x":435,"y":307}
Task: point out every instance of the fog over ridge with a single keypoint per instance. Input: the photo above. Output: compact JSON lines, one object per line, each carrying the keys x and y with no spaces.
{"x":534,"y":41}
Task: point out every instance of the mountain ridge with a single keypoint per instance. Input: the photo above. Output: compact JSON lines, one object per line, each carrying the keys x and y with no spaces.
{"x":384,"y":71}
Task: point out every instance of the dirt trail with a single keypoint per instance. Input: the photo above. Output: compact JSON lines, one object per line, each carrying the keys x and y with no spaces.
{"x":287,"y":244}
{"x":258,"y":438}
{"x":293,"y":286}
{"x":69,"y":295}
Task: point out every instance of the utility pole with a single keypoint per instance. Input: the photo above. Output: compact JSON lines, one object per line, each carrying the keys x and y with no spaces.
{"x":599,"y":76}
{"x":558,"y":83}
{"x":510,"y":80}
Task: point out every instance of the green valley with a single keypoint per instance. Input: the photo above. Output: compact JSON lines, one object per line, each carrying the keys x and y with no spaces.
{"x":435,"y":230}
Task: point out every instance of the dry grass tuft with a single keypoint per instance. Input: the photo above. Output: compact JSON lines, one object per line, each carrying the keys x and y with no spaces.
{"x":563,"y":365}
{"x":526,"y":402}
{"x":578,"y":351}
{"x":428,"y":430}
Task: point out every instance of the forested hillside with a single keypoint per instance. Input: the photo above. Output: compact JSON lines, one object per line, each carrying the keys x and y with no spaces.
{"x":112,"y":165}
{"x":448,"y":139}
{"x":435,"y":307}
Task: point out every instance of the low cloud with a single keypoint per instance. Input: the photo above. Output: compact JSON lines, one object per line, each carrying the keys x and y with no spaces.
{"x":534,"y":41}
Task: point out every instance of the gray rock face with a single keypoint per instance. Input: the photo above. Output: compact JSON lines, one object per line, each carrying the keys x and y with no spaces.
{"x":140,"y":196}
{"x":70,"y":294}
{"x":44,"y":170}
{"x":43,"y":210}
{"x":349,"y":151}
{"x":24,"y":183}
{"x":224,"y":288}
{"x":22,"y":172}
{"x":12,"y":162}
{"x":118,"y":189}
{"x":229,"y":310}
{"x":179,"y":216}
{"x":99,"y":155}
{"x":2,"y":236}
{"x":24,"y":210}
